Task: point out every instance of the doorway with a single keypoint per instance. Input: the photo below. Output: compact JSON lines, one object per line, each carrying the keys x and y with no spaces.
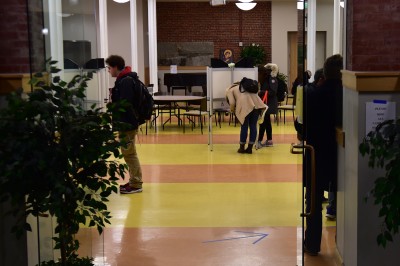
{"x":293,"y":50}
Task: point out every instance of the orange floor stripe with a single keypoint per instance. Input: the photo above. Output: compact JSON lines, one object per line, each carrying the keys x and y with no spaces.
{"x":221,"y":173}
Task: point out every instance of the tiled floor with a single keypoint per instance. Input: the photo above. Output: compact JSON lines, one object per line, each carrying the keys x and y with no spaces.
{"x":202,"y":207}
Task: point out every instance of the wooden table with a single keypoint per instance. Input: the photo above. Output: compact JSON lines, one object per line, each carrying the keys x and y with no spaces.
{"x":172,"y":100}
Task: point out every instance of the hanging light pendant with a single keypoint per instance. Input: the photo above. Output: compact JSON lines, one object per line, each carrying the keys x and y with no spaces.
{"x":245,"y":5}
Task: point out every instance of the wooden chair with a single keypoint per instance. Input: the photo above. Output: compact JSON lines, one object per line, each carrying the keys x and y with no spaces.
{"x":195,"y":105}
{"x":174,"y":88}
{"x":200,"y":113}
{"x":286,"y":107}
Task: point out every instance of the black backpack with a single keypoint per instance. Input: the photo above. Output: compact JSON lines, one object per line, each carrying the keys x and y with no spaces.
{"x":143,"y":107}
{"x":248,"y":85}
{"x":282,"y":90}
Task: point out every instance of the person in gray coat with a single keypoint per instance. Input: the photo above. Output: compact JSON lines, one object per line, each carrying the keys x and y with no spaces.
{"x":247,"y":108}
{"x":269,"y":84}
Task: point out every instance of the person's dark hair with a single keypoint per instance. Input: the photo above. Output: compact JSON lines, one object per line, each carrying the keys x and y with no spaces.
{"x":333,"y":66}
{"x":318,"y":75}
{"x":116,"y":61}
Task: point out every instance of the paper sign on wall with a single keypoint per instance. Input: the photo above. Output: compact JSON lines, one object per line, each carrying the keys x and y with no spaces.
{"x":173,"y":69}
{"x":377,"y":112}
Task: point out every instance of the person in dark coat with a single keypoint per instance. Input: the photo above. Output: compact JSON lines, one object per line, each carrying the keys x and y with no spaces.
{"x":320,"y":121}
{"x":123,"y":90}
{"x":269,"y":84}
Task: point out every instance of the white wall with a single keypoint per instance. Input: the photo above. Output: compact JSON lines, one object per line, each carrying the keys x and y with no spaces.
{"x":119,"y":33}
{"x":284,"y":19}
{"x":325,"y":23}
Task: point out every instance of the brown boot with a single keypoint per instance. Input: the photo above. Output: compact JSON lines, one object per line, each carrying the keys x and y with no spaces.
{"x":249,"y":149}
{"x":241,"y":149}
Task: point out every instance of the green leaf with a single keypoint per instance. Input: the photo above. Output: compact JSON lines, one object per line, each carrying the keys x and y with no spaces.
{"x":54,"y":70}
{"x":56,"y":79}
{"x":38,"y":75}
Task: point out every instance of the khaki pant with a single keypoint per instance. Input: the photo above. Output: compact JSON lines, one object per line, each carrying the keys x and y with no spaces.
{"x":132,"y":159}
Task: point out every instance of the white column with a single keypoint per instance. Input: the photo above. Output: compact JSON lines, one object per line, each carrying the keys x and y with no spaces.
{"x":336,"y":27}
{"x":104,"y":78}
{"x":153,"y":65}
{"x":56,"y":33}
{"x":311,"y":33}
{"x":134,"y":36}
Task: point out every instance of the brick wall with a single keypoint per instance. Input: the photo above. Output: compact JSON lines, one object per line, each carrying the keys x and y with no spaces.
{"x":373,"y":35}
{"x":14,"y":45}
{"x":224,"y":25}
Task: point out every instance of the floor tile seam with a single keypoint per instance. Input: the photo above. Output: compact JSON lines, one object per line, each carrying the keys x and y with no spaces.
{"x":198,"y":227}
{"x":227,"y":164}
{"x":225,"y":183}
{"x":222,"y":163}
{"x":214,"y":134}
{"x":204,"y":227}
{"x":186,"y":142}
{"x":208,"y":227}
{"x":233,"y":182}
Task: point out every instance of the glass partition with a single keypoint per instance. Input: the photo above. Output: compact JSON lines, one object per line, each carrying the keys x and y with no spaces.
{"x":65,"y":31}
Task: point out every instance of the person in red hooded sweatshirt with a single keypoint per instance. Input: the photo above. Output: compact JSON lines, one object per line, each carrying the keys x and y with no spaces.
{"x":123,"y":89}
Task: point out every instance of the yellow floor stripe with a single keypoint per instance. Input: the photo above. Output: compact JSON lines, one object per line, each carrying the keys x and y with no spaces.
{"x":209,"y":205}
{"x":221,"y":154}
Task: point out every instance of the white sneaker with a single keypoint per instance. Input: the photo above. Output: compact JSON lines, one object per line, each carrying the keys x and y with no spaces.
{"x":268,"y":143}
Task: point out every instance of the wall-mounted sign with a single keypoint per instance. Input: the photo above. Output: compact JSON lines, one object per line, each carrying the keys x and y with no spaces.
{"x":377,"y":112}
{"x":173,"y":69}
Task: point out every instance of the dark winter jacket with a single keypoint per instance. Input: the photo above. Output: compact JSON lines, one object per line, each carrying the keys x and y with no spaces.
{"x":124,"y":89}
{"x":320,"y":113}
{"x":271,"y":85}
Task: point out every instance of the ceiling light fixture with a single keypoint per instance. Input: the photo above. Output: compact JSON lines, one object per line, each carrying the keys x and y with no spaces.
{"x":64,"y":15}
{"x":121,"y":1}
{"x":246,"y":6}
{"x":342,"y":4}
{"x":245,"y":1}
{"x":300,"y":5}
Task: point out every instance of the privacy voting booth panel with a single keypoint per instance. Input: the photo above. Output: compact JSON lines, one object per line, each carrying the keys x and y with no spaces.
{"x":219,"y":79}
{"x":239,"y":73}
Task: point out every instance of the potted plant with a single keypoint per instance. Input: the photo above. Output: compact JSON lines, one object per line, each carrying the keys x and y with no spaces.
{"x":58,"y":159}
{"x":255,"y":51}
{"x":382,"y":146}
